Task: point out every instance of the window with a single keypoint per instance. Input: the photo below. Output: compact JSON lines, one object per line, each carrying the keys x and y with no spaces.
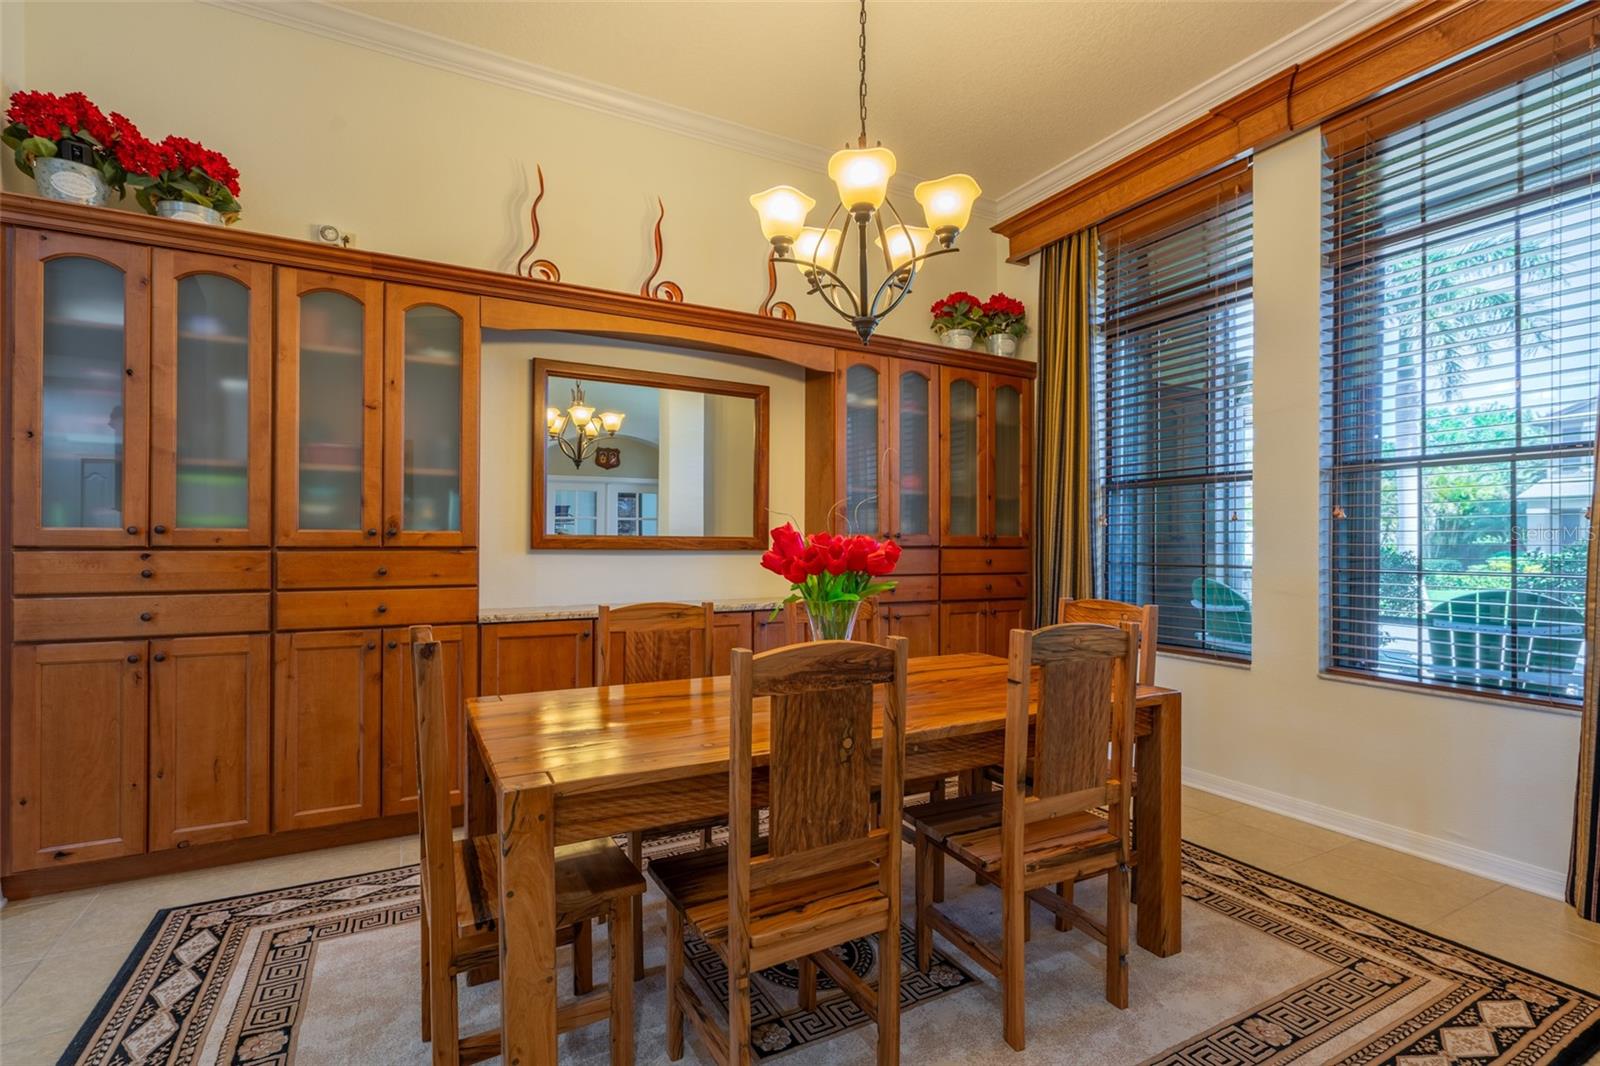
{"x":1174,"y":370}
{"x":1460,"y":381}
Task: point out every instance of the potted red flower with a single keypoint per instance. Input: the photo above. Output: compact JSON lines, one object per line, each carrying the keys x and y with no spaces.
{"x":1004,"y":323}
{"x":831,"y":574}
{"x":180,"y":178}
{"x":70,"y":148}
{"x":957,"y":319}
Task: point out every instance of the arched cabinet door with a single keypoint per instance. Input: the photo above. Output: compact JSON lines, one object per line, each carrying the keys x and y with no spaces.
{"x":963,"y":459}
{"x":210,"y":401}
{"x":861,"y":502}
{"x":914,"y":456}
{"x":430,"y":418}
{"x":1010,"y":501}
{"x":330,"y":412}
{"x":80,"y":417}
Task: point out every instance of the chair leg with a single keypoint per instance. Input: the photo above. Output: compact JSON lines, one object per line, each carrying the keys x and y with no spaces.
{"x":1064,"y":890}
{"x":443,"y":1019}
{"x":1117,"y":936}
{"x":619,"y":940}
{"x":925,"y":886}
{"x":583,"y":958}
{"x":938,"y":793}
{"x":427,"y":985}
{"x":636,"y":856}
{"x":1027,"y":920}
{"x":889,"y":996}
{"x":705,"y":838}
{"x":808,"y":983}
{"x":739,"y":1052}
{"x":674,"y":979}
{"x":1013,"y":909}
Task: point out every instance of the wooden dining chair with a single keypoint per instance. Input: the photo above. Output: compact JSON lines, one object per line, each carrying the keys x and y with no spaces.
{"x":1032,"y":835}
{"x":827,"y":873}
{"x":646,"y":642}
{"x":461,"y":897}
{"x":1115,"y":613}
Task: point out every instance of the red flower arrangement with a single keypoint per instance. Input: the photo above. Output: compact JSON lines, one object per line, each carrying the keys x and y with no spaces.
{"x":181,"y":169}
{"x":959,"y":310}
{"x":1003,"y":315}
{"x":830,"y":573}
{"x":43,"y":125}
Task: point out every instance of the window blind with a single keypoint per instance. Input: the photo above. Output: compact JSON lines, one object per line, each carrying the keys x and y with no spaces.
{"x":1460,"y":377}
{"x":1174,"y":373}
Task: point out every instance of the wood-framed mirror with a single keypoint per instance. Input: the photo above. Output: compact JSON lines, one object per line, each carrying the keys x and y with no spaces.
{"x":633,"y":459}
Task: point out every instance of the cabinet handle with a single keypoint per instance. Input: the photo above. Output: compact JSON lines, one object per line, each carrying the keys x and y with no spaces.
{"x":372,"y":532}
{"x":147,"y":573}
{"x":133,"y":530}
{"x":159,"y":528}
{"x":393,"y":644}
{"x":988,"y":588}
{"x":160,"y":656}
{"x":144,"y":616}
{"x":383,"y":571}
{"x":129,"y":371}
{"x":383,"y":608}
{"x":133,"y":658}
{"x":371,"y":644}
{"x":392,"y":531}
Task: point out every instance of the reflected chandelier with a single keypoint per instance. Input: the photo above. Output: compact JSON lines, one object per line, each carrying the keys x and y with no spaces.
{"x":586,"y":427}
{"x":862,"y":175}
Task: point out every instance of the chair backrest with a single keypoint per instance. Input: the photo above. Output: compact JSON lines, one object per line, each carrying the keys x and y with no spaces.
{"x":820,"y":770}
{"x":433,"y":778}
{"x":652,"y":642}
{"x":1084,"y":712}
{"x":1225,"y":615}
{"x":1495,"y":639}
{"x":1114,"y":613}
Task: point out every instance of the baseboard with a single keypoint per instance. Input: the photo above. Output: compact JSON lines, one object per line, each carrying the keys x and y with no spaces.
{"x":1514,"y":872}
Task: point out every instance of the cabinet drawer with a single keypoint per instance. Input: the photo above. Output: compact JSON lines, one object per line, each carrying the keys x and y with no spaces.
{"x":918,"y":561}
{"x":337,"y":609}
{"x":913,"y":588}
{"x":985,"y":561}
{"x":107,"y":617}
{"x":375,"y":569}
{"x":984,"y":587}
{"x":47,"y":573}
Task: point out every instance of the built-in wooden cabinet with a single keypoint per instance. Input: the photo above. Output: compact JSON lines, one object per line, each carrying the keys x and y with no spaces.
{"x":534,"y":656}
{"x":210,"y":739}
{"x":459,"y":645}
{"x":77,"y":753}
{"x":888,"y":447}
{"x":985,"y":459}
{"x":980,"y":625}
{"x":913,"y":426}
{"x":326,"y":723}
{"x":917,"y":622}
{"x":734,"y":629}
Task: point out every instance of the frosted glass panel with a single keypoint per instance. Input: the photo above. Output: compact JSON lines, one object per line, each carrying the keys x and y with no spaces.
{"x":916,"y":506}
{"x":81,"y":441}
{"x":1007,"y":462}
{"x":963,"y":458}
{"x":432,"y":420}
{"x":213,"y":403}
{"x":861,"y":449}
{"x":331,"y":409}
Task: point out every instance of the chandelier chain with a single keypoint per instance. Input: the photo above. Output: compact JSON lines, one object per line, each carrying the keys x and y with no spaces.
{"x":862,"y":66}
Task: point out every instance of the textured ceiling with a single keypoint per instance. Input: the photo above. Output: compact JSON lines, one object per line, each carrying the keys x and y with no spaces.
{"x":1001,"y":90}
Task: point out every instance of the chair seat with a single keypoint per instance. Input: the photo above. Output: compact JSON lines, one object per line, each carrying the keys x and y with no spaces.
{"x":697,"y":884}
{"x":968,"y":827}
{"x":587,"y":876}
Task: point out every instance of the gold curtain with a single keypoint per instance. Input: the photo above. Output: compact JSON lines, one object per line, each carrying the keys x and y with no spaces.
{"x":1063,"y":530}
{"x":1583,"y":875}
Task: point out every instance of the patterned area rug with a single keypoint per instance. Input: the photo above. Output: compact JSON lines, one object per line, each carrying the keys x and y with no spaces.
{"x":1272,"y":972}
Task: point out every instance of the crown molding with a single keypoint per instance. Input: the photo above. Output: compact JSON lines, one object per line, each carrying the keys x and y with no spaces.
{"x":1346,"y":20}
{"x":429,"y":49}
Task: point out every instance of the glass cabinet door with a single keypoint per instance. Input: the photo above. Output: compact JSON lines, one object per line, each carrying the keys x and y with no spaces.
{"x":1009,"y":398}
{"x":210,"y":400}
{"x":861,"y":498}
{"x":81,"y":391}
{"x":430,"y":418}
{"x":962,"y":457}
{"x":330,"y":420}
{"x":914,"y":437}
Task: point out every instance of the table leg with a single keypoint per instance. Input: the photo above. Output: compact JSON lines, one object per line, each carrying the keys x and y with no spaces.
{"x":527,"y":925}
{"x":1157,"y":815}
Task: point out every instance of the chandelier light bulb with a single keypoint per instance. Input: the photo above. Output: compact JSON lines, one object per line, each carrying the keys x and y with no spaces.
{"x":782,"y":210}
{"x":611,"y":421}
{"x":862,"y":175}
{"x":947,"y":202}
{"x":815,"y":245}
{"x":906,"y":243}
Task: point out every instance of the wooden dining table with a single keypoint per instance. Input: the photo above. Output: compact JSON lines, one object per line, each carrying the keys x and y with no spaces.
{"x":552,"y":768}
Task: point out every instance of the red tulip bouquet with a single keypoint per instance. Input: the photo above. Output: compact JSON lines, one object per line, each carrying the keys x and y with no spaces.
{"x":831,"y":574}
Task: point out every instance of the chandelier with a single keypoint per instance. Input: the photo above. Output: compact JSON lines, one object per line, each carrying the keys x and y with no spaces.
{"x":862,"y":175}
{"x":586,"y":427}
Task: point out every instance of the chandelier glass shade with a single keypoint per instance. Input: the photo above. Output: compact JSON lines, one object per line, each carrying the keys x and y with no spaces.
{"x":586,"y":427}
{"x":861,"y":176}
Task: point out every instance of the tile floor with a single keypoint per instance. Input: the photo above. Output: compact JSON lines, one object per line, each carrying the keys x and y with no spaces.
{"x":57,"y":953}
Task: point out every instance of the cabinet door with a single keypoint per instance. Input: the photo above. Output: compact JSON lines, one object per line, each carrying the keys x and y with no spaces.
{"x":77,"y":763}
{"x":210,"y":739}
{"x":1001,"y":618}
{"x":210,"y":401}
{"x":1010,"y":500}
{"x":863,"y":499}
{"x":961,"y":627}
{"x":327,"y":715}
{"x":460,"y":647}
{"x":917,"y":622}
{"x":330,"y":416}
{"x":914,"y":453}
{"x":962,"y":459}
{"x":536,"y":656}
{"x":80,"y":417}
{"x":430,"y":418}
{"x":768,"y":632}
{"x":729,"y":631}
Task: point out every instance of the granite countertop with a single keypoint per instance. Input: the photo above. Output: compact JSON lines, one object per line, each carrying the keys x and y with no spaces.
{"x":492,"y":615}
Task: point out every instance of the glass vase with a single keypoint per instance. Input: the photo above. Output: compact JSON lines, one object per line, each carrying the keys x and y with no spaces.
{"x":832,"y":619}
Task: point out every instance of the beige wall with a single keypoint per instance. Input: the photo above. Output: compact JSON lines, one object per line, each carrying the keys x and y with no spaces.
{"x":1465,"y":777}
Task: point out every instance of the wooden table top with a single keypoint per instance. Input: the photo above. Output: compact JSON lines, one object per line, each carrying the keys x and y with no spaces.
{"x":600,"y":739}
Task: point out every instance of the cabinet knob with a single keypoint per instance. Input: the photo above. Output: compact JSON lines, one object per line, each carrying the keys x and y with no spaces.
{"x":383,"y":608}
{"x":159,"y":528}
{"x":160,"y":656}
{"x":371,"y":644}
{"x":145,"y":616}
{"x":372,"y":532}
{"x":393,"y":644}
{"x":393,"y":530}
{"x":129,"y":371}
{"x":133,"y":658}
{"x":133,"y":530}
{"x":147,"y":573}
{"x":988,"y":588}
{"x":383,"y":571}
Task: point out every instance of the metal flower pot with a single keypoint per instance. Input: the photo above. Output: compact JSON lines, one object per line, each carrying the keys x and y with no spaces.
{"x":957,"y":338}
{"x":76,"y":183}
{"x":188,"y":212}
{"x":1001,"y":344}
